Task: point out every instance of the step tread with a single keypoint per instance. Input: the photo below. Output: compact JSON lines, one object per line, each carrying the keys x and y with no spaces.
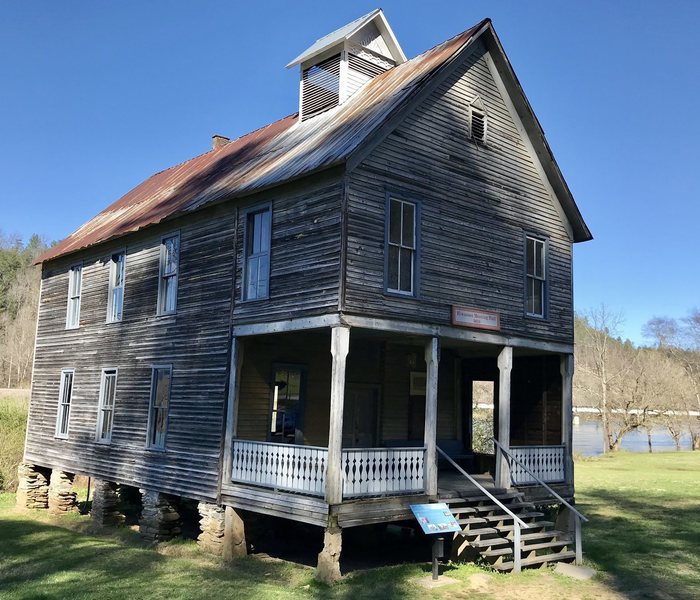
{"x":533,"y":525}
{"x":506,"y":517}
{"x":537,"y":560}
{"x":542,"y":534}
{"x":472,"y":521}
{"x":480,"y":498}
{"x":511,"y":507}
{"x":481,"y":531}
{"x":497,"y":541}
{"x":542,"y":546}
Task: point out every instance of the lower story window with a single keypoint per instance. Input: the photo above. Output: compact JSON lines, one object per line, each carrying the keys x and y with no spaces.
{"x":160,"y":403}
{"x":65,"y":395}
{"x":105,"y":414}
{"x":285,"y":417}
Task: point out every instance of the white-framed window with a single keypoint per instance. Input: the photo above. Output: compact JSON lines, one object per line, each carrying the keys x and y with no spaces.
{"x":257,"y":238}
{"x":115,"y":299}
{"x":161,"y":378}
{"x":65,"y":394}
{"x":535,"y":276}
{"x":477,"y":120}
{"x":401,"y":246}
{"x":169,"y":266}
{"x":105,"y":410}
{"x":75,"y":284}
{"x":287,"y":405}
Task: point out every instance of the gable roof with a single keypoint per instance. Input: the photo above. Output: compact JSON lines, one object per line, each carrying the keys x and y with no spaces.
{"x":347,"y":31}
{"x":284,"y":151}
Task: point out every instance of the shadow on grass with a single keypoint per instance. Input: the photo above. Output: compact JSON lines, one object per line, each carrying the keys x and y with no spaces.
{"x":647,"y":546}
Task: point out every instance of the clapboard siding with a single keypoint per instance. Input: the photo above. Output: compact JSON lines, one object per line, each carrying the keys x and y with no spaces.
{"x":305,"y":258}
{"x":476,"y":201}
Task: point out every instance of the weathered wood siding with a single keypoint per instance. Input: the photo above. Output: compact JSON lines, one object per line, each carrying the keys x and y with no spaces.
{"x":305,"y":256}
{"x":477,"y":200}
{"x":304,"y":280}
{"x":194,"y":341}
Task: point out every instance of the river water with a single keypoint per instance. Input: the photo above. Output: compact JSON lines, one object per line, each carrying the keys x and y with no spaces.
{"x":588,"y":439}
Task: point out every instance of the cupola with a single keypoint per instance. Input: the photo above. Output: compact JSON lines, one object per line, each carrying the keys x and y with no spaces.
{"x":340,"y":63}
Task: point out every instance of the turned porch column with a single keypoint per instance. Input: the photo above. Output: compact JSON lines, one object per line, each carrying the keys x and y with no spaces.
{"x":567,"y":410}
{"x":340,"y":344}
{"x":505,"y":365}
{"x":432,"y":360}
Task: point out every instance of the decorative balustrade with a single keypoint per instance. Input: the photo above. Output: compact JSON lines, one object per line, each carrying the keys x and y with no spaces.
{"x":379,"y":471}
{"x":547,"y":462}
{"x":280,"y":466}
{"x":302,"y":469}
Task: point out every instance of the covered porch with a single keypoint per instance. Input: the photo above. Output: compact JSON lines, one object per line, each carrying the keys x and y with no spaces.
{"x":366,"y":424}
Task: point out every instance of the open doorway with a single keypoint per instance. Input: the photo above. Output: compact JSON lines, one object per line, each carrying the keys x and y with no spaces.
{"x":482,"y":416}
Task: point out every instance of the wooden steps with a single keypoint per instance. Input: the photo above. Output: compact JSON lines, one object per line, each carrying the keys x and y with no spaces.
{"x":489,"y":530}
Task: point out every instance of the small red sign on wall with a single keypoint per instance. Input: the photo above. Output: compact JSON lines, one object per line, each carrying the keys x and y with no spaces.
{"x":478,"y":319}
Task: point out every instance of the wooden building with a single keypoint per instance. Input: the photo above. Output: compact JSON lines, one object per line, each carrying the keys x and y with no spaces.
{"x":292,"y":323}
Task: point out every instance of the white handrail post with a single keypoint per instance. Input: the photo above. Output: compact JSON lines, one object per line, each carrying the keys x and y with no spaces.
{"x":517,"y":555}
{"x":340,"y":344}
{"x":505,"y":364}
{"x":577,"y":540}
{"x":432,"y":359}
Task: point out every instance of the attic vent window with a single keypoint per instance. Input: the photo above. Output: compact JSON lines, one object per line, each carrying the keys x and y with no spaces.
{"x":320,"y":87}
{"x":477,"y":121}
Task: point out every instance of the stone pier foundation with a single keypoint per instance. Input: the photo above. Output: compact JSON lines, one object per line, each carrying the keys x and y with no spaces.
{"x":212,"y":525}
{"x":234,"y":535}
{"x":328,"y":568}
{"x":33,"y":488}
{"x":160,"y":519}
{"x":62,"y":497}
{"x":105,"y":504}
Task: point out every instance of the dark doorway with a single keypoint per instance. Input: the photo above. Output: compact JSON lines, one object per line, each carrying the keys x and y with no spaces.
{"x":361,"y":416}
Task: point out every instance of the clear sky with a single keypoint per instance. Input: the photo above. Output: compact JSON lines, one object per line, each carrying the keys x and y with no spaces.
{"x":96,"y":96}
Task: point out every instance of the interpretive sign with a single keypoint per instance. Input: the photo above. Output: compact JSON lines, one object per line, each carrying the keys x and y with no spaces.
{"x":435,"y":518}
{"x":472,"y":317}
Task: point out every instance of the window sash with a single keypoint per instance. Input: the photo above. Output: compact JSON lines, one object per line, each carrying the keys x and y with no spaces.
{"x":161,"y":380}
{"x":401,"y":246}
{"x":105,"y":415}
{"x":257,"y":253}
{"x":65,"y":395}
{"x":115,"y":304}
{"x":75,"y":284}
{"x":287,"y":400}
{"x":169,"y":267}
{"x":535,"y":270}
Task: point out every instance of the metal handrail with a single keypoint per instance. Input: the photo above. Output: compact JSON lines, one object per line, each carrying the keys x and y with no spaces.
{"x":484,"y":490}
{"x":538,"y":480}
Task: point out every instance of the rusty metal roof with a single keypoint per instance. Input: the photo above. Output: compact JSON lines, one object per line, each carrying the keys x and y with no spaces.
{"x":281,"y":151}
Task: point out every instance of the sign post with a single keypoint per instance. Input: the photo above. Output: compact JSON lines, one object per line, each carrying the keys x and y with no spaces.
{"x":436,"y":519}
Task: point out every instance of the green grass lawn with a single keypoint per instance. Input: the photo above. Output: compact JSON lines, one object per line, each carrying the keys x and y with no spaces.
{"x":643,"y":538}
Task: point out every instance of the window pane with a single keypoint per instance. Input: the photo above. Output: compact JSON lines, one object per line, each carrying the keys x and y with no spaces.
{"x":118,"y":269}
{"x":252,"y":272}
{"x":395,"y":222}
{"x":76,"y":273}
{"x":535,"y":304}
{"x":406,"y":270}
{"x":264,"y":233}
{"x":539,"y":258}
{"x":162,"y":388}
{"x":169,"y":293}
{"x":530,"y":256}
{"x":409,"y":217}
{"x":393,"y":276}
{"x":171,"y":255}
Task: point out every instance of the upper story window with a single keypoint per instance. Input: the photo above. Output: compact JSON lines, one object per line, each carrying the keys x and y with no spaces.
{"x":75,"y":284}
{"x":536,"y":276}
{"x":115,"y":300}
{"x":105,"y":411}
{"x":401,"y":247}
{"x":159,"y":406}
{"x":256,"y":279}
{"x":65,"y":395}
{"x":167,"y":285}
{"x":477,"y":120}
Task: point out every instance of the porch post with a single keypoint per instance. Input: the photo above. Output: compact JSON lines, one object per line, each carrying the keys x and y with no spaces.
{"x":432,"y":360}
{"x":234,"y":385}
{"x":340,"y":343}
{"x":567,"y":410}
{"x":505,"y":364}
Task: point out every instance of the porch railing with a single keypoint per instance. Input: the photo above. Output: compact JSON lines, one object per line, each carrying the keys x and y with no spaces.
{"x":280,"y":466}
{"x":302,"y":469}
{"x":378,"y":471}
{"x":546,"y":462}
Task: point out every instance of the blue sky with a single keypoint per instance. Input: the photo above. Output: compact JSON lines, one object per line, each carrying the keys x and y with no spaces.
{"x":96,"y":96}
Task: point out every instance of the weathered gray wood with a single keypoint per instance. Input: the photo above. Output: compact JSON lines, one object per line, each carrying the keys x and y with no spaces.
{"x":340,"y":345}
{"x":300,"y":324}
{"x":567,"y":376}
{"x":232,"y":404}
{"x":505,"y":364}
{"x":432,"y":359}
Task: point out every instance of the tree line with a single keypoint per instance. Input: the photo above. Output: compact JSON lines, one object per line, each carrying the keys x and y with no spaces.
{"x":19,"y":301}
{"x":640,"y":387}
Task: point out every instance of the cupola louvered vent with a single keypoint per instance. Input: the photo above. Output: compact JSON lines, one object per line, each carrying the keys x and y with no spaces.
{"x":320,"y":87}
